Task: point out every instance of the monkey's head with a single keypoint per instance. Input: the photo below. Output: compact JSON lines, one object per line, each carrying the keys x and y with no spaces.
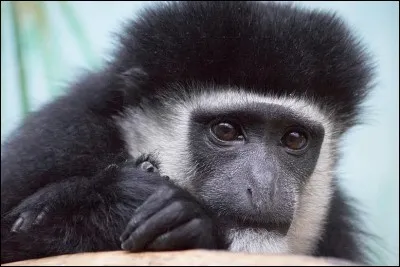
{"x":243,"y":104}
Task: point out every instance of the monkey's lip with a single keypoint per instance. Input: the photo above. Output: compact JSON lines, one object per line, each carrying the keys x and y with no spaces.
{"x":280,"y":228}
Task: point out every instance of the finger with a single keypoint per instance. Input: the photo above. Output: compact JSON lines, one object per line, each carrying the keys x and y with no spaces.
{"x":24,"y":222}
{"x":153,"y":204}
{"x":185,"y":236}
{"x":170,"y":217}
{"x":40,"y":217}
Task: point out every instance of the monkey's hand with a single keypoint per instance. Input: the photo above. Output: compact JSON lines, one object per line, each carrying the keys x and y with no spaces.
{"x":170,"y":219}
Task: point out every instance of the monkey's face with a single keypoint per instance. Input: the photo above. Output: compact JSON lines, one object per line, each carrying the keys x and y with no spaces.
{"x":253,"y":160}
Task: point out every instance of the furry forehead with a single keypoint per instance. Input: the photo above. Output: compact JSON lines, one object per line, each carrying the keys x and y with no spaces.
{"x":270,"y":48}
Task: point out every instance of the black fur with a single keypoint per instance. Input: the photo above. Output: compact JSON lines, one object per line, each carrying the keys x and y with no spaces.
{"x":268,"y":47}
{"x":344,"y":236}
{"x":69,"y":158}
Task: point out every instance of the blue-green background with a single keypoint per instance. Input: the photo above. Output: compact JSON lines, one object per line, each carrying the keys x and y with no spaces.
{"x":370,"y":163}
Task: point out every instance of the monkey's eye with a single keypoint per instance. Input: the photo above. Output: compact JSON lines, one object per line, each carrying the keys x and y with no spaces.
{"x":294,"y":140}
{"x":227,"y":132}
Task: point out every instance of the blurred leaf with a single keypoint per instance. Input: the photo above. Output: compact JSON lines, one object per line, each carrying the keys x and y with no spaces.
{"x":3,"y":78}
{"x":16,"y":18}
{"x":35,"y":16}
{"x":78,"y":31}
{"x":45,"y":43}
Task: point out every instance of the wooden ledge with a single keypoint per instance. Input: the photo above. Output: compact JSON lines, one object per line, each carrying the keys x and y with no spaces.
{"x":180,"y":258}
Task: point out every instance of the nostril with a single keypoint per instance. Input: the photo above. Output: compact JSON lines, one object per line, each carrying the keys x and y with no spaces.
{"x":249,"y":191}
{"x":251,"y":198}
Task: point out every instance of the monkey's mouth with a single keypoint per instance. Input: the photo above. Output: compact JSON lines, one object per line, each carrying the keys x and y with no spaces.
{"x":281,"y":228}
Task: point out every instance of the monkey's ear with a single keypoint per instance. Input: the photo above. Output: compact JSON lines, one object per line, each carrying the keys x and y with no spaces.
{"x":114,"y":89}
{"x":132,"y":83}
{"x":100,"y":92}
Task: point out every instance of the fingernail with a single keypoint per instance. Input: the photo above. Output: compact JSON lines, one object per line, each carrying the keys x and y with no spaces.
{"x":39,"y":218}
{"x":17,"y":225}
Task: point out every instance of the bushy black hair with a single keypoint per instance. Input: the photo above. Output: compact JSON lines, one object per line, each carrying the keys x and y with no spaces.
{"x":267,"y":47}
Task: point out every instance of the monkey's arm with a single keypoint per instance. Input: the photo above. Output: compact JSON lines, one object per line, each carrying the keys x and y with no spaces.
{"x":76,"y":215}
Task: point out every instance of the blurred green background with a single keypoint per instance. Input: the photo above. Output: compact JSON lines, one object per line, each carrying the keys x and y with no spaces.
{"x":45,"y":44}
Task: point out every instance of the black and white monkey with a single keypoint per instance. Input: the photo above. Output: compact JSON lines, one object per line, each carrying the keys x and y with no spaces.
{"x":214,"y":126}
